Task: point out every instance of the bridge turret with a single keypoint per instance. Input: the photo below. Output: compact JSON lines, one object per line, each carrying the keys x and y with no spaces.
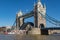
{"x":19,"y":13}
{"x":44,"y":8}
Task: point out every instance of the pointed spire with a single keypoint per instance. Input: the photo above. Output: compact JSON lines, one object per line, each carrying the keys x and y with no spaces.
{"x":39,"y":0}
{"x":44,"y":6}
{"x":39,"y":3}
{"x":19,"y":13}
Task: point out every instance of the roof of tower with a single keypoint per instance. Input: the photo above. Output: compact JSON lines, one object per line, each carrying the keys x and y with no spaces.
{"x":19,"y":13}
{"x":39,"y":0}
{"x":39,"y":3}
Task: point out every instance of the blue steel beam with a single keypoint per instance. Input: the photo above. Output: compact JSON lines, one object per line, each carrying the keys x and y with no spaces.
{"x":51,"y":28}
{"x":27,"y":15}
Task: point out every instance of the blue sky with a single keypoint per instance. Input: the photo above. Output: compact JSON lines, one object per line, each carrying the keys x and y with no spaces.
{"x":9,"y":8}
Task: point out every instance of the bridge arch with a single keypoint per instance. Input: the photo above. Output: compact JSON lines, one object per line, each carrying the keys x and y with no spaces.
{"x":41,"y":25}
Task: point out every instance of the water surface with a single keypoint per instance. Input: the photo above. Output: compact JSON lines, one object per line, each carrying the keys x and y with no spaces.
{"x":30,"y":37}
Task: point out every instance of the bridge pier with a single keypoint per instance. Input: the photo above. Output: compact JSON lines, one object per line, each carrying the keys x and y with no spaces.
{"x":38,"y":31}
{"x":34,"y":31}
{"x":44,"y":32}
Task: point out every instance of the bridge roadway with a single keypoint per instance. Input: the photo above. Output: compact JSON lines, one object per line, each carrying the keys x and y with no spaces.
{"x":51,"y":28}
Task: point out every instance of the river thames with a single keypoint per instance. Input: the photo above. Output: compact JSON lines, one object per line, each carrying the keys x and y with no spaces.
{"x":30,"y":37}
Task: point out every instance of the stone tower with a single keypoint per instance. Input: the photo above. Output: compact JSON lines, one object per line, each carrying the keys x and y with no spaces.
{"x":19,"y":21}
{"x":39,"y":20}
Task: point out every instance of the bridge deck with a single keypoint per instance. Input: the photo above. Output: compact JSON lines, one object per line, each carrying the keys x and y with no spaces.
{"x":51,"y":28}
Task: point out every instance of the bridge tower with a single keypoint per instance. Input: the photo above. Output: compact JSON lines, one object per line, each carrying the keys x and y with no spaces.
{"x":39,"y":20}
{"x":19,"y":21}
{"x":38,"y":10}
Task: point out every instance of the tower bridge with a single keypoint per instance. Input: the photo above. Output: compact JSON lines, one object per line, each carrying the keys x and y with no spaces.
{"x":40,"y":18}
